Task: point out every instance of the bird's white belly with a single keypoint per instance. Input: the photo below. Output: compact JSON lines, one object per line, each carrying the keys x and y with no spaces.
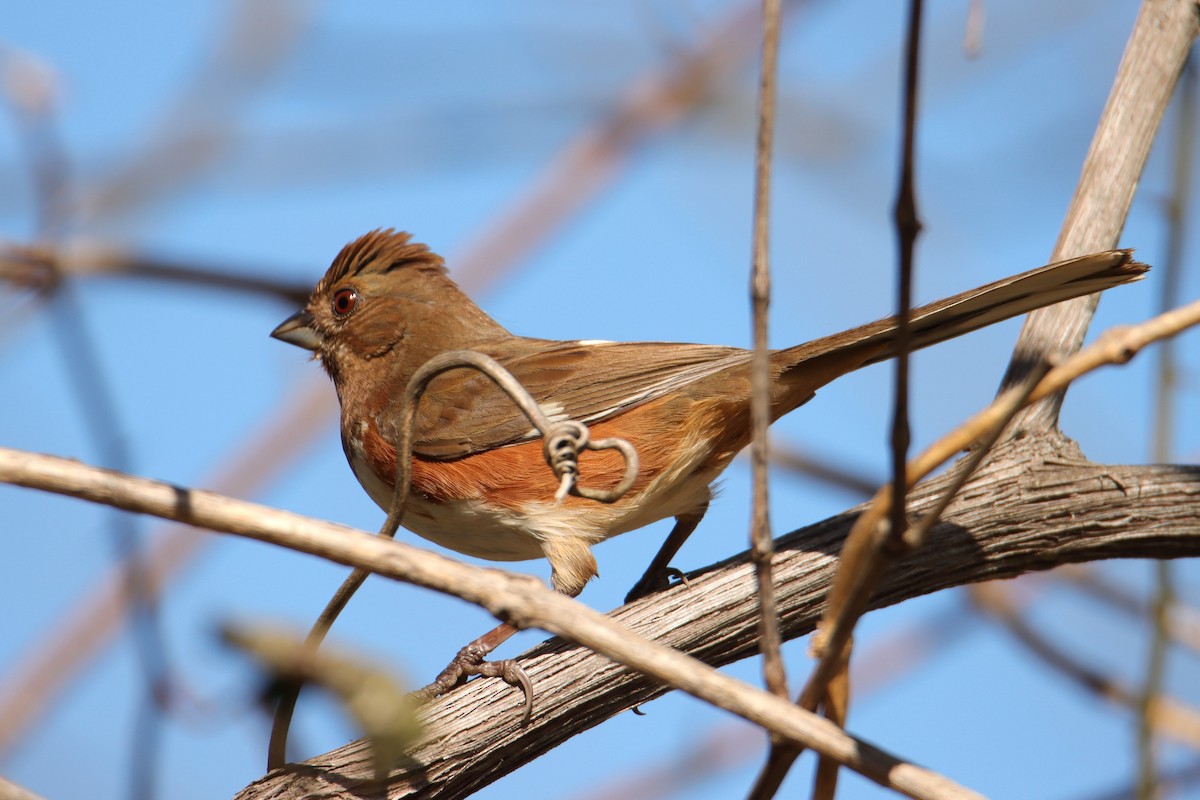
{"x":497,"y":533}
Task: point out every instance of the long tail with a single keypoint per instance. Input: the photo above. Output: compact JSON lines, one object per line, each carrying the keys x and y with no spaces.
{"x":807,"y":367}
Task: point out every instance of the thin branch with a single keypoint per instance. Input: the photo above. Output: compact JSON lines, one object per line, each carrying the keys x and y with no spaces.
{"x":868,"y":552}
{"x":791,"y":457}
{"x":908,"y":227}
{"x":761,"y":540}
{"x":39,"y":266}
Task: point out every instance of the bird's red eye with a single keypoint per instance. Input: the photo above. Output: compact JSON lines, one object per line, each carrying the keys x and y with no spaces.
{"x":344,"y":301}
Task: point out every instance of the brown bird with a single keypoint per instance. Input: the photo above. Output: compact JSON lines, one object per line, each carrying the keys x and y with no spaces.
{"x":480,"y":484}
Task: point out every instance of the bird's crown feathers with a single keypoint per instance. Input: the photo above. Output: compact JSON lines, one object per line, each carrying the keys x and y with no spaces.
{"x":379,"y":252}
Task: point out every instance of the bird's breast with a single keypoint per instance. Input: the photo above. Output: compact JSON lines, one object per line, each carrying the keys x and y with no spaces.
{"x":499,"y":504}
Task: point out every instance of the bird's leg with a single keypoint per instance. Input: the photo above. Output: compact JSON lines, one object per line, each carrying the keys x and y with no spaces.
{"x":659,"y":573}
{"x":572,"y":566}
{"x":469,"y":661}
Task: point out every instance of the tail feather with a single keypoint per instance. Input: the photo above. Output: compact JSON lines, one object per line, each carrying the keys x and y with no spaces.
{"x":954,"y":316}
{"x":978,"y":308}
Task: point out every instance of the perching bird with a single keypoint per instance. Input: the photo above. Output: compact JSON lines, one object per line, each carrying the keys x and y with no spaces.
{"x":480,"y":484}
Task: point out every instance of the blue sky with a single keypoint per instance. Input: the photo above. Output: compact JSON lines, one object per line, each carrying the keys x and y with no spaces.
{"x":436,"y":118}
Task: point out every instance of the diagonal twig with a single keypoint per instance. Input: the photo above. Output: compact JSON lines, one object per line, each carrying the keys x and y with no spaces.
{"x":1167,"y":717}
{"x":564,"y":439}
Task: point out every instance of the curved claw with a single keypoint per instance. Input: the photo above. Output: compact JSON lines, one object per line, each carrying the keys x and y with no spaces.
{"x":677,"y":574}
{"x":468,"y":662}
{"x":656,"y":581}
{"x":513,"y":674}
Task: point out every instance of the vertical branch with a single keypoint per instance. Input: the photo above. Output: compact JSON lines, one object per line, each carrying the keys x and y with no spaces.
{"x":832,"y":691}
{"x":908,"y":226}
{"x":1158,"y":47}
{"x":1177,"y":211}
{"x":761,"y":545}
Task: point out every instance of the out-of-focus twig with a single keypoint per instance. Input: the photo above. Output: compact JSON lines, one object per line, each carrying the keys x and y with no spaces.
{"x":11,"y":791}
{"x":1163,"y":424}
{"x":651,"y":104}
{"x":370,"y":693}
{"x":790,"y":457}
{"x":202,"y":123}
{"x":1168,"y":717}
{"x":36,"y":119}
{"x":1172,"y":783}
{"x":973,"y":33}
{"x":39,"y":266}
{"x":1183,"y":623}
{"x":32,"y":684}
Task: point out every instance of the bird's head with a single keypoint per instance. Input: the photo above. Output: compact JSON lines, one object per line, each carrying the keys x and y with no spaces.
{"x":386,"y":299}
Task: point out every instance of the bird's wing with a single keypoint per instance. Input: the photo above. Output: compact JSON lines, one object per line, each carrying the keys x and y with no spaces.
{"x":463,"y":412}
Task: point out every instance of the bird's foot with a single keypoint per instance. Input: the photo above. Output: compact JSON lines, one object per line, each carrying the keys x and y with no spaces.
{"x":655,"y":580}
{"x":469,"y":662}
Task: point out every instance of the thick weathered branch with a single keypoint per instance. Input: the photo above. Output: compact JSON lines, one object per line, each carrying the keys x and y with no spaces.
{"x":1036,"y":505}
{"x":522,"y":601}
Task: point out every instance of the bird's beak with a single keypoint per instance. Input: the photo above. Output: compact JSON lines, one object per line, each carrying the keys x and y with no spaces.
{"x":298,"y":330}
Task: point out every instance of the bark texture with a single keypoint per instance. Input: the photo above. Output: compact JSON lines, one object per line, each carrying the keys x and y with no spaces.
{"x":1036,"y":505}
